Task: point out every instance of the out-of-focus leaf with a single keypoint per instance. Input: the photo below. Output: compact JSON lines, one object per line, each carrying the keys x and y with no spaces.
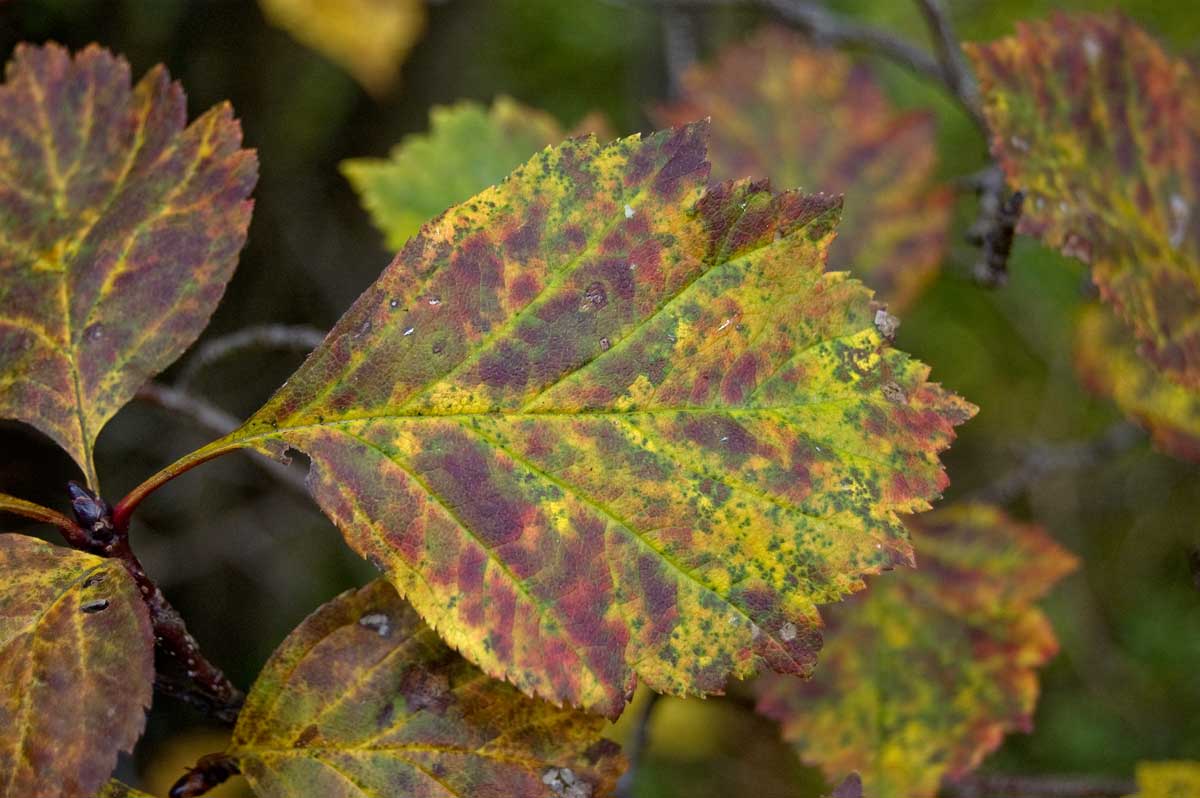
{"x":602,"y":421}
{"x":810,"y":117}
{"x":118,"y":231}
{"x":364,"y":699}
{"x":115,"y":789}
{"x":1168,"y":779}
{"x":467,"y":149}
{"x":368,"y":38}
{"x":1109,"y":364}
{"x":1101,"y":129}
{"x":76,"y":668}
{"x":923,"y":674}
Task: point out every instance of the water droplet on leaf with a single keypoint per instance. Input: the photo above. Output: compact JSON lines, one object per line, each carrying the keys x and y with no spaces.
{"x":95,"y":605}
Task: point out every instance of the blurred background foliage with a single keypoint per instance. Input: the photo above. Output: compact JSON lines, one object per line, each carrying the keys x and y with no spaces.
{"x":245,"y":559}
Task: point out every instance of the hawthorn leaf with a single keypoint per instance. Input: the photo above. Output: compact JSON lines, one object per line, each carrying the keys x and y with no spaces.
{"x":76,"y":665}
{"x":924,"y":673}
{"x":1101,"y":129}
{"x":467,"y":149}
{"x":365,"y":699}
{"x":603,"y":421}
{"x":1178,"y":779}
{"x":118,"y":231}
{"x":368,"y":38}
{"x":116,"y":789}
{"x":812,"y":117}
{"x":1109,"y":364}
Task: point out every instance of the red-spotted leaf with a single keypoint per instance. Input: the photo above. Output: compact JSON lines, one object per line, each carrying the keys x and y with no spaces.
{"x":118,"y":231}
{"x":603,"y":421}
{"x":76,"y":669}
{"x":1101,"y":129}
{"x":364,"y":699}
{"x":810,"y":117}
{"x":924,"y":673}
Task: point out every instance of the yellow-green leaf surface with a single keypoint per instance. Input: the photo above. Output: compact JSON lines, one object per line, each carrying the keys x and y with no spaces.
{"x":118,"y":231}
{"x":1179,"y":779}
{"x":76,"y":668}
{"x":468,"y":148}
{"x":1101,"y":129}
{"x":923,"y":674}
{"x":363,"y":700}
{"x":368,"y":38}
{"x":603,"y":421}
{"x":810,"y":117}
{"x":115,"y":789}
{"x":1109,"y":364}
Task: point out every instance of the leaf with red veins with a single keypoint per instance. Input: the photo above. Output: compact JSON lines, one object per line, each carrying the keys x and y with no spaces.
{"x":76,"y":668}
{"x":924,"y":674}
{"x":119,"y":229}
{"x":806,"y":116}
{"x":1101,"y":129}
{"x":364,"y":699}
{"x":604,"y":422}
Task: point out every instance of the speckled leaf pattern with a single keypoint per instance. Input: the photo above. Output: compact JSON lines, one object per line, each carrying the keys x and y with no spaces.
{"x":118,"y":231}
{"x":363,"y":700}
{"x":76,"y":669}
{"x":811,"y":118}
{"x":1101,"y":129}
{"x":468,"y":148}
{"x":116,"y":789}
{"x":368,"y":38}
{"x":601,"y":421}
{"x":924,"y":673}
{"x":1109,"y":364}
{"x":1179,"y":779}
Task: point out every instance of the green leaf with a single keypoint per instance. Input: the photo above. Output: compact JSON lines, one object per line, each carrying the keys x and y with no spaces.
{"x":1110,"y":365}
{"x":924,"y":674}
{"x":76,"y":668}
{"x":811,"y":117}
{"x":368,"y":38}
{"x":467,"y":149}
{"x":118,"y":232}
{"x":1101,"y":129}
{"x":364,"y":699}
{"x":603,"y":422}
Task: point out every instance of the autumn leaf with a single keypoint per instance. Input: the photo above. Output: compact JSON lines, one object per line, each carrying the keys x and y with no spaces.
{"x":811,"y":117}
{"x":368,"y":38}
{"x":602,"y":422}
{"x":467,"y":149}
{"x":1179,"y":779}
{"x":924,"y":673}
{"x":364,"y":699}
{"x":76,"y":665}
{"x":1101,"y":129}
{"x":118,"y":231}
{"x":1110,"y":365}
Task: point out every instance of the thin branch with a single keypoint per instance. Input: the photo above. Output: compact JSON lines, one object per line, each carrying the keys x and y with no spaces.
{"x":1043,"y":459}
{"x":1005,"y":786}
{"x":36,"y":512}
{"x":956,"y":74}
{"x":679,"y":45}
{"x":636,"y":751}
{"x":263,"y":336}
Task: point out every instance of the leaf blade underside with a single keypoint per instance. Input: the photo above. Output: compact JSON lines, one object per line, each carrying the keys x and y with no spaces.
{"x":77,"y":665}
{"x":806,"y":116}
{"x":364,"y":699}
{"x":603,"y":420}
{"x":119,"y":229}
{"x":1100,"y":127}
{"x":925,"y":672}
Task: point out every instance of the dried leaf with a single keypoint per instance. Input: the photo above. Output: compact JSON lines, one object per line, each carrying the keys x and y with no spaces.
{"x":118,"y":232}
{"x":923,"y":674}
{"x":1168,"y":779}
{"x":810,"y":117}
{"x":364,"y":699}
{"x":1109,"y":364}
{"x":467,"y":149}
{"x":368,"y":38}
{"x":1101,"y":129}
{"x":76,"y":665}
{"x":601,"y":420}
